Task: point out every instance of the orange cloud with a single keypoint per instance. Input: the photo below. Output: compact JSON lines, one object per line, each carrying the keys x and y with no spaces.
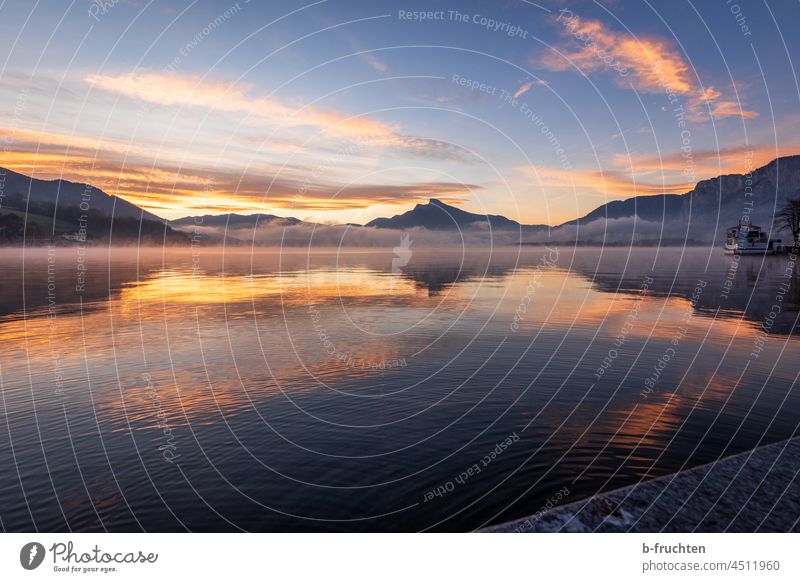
{"x":612,"y":184}
{"x":525,"y":87}
{"x":171,"y":189}
{"x":707,"y":163}
{"x":646,"y":63}
{"x":194,"y":91}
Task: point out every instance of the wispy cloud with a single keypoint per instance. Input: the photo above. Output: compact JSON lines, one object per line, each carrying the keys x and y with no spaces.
{"x":194,"y":91}
{"x":525,"y":87}
{"x":611,"y":184}
{"x":707,"y":163}
{"x":374,"y":62}
{"x":644,"y":62}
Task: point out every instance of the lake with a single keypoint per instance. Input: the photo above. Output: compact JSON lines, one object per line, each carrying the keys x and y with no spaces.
{"x":366,"y":390}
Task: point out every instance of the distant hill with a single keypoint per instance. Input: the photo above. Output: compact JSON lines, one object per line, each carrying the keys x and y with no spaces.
{"x":235,"y":221}
{"x":436,"y":215}
{"x":34,"y":211}
{"x":654,"y":208}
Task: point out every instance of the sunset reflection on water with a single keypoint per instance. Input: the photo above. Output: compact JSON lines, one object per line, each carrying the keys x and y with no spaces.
{"x":300,"y":389}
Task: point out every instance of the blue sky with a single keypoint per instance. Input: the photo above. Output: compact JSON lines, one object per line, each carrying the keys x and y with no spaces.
{"x":343,"y":111}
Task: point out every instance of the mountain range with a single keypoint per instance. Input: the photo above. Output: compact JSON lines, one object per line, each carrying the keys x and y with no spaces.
{"x":702,"y":214}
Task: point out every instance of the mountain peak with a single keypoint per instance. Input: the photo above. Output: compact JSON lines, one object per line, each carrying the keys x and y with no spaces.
{"x":433,"y":203}
{"x":437,"y":215}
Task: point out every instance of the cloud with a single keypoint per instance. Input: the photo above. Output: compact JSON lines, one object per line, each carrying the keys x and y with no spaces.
{"x":706,"y":163}
{"x":721,"y":107}
{"x":167,"y":89}
{"x":525,"y":87}
{"x":171,"y":89}
{"x":172,"y":189}
{"x":374,"y":62}
{"x":645,"y":63}
{"x":612,"y":184}
{"x":431,"y":149}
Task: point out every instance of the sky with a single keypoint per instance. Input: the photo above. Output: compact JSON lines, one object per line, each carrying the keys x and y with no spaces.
{"x":343,"y":111}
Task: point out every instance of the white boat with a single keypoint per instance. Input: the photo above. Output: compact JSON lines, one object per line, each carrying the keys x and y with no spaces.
{"x":749,"y":239}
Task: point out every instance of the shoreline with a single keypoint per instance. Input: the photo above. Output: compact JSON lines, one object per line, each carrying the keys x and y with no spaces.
{"x":753,"y":491}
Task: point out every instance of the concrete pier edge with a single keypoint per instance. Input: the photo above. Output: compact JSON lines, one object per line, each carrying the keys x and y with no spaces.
{"x":753,"y":491}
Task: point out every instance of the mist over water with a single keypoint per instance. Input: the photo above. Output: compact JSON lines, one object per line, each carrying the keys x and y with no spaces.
{"x":347,"y":389}
{"x":322,"y":236}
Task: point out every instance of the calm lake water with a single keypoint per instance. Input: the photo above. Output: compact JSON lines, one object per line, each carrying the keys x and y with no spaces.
{"x":339,"y":391}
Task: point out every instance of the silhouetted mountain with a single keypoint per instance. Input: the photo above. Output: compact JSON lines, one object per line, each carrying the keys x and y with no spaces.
{"x":66,"y":194}
{"x":33,"y":211}
{"x":720,"y":202}
{"x":235,"y":221}
{"x":654,"y":208}
{"x":436,"y":215}
{"x":704,"y":213}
